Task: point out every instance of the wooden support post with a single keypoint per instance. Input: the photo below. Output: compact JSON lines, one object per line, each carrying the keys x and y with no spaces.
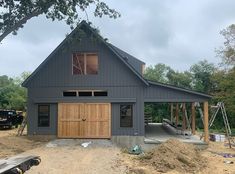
{"x":172,"y":112}
{"x":205,"y":118}
{"x":184,"y":116}
{"x":193,"y":118}
{"x":177,"y":114}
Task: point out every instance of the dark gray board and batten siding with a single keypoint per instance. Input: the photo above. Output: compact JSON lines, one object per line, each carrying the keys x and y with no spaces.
{"x":118,"y":73}
{"x":55,"y":76}
{"x":156,"y":93}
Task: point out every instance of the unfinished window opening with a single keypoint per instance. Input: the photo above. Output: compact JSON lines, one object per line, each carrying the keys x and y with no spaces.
{"x":69,"y":93}
{"x":126,"y":115}
{"x":85,"y":93}
{"x":100,"y":93}
{"x":85,"y":63}
{"x":43,"y":115}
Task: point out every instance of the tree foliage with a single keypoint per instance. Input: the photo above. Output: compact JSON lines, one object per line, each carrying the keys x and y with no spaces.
{"x":15,"y":13}
{"x":12,"y":95}
{"x":227,"y":52}
{"x":180,"y":79}
{"x":202,"y":76}
{"x":157,"y":72}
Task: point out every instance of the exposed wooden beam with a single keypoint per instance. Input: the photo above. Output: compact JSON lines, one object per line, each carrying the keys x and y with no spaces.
{"x":183,"y":117}
{"x":177,"y":114}
{"x":205,"y":118}
{"x":193,"y":116}
{"x":172,"y":112}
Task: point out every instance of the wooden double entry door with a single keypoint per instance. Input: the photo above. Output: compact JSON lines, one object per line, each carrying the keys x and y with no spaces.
{"x":84,"y":120}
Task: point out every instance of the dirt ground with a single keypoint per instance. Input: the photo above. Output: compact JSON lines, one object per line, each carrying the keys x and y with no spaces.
{"x":100,"y":158}
{"x":213,"y":163}
{"x":106,"y":159}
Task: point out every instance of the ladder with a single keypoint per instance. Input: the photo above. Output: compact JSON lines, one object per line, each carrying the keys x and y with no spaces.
{"x":220,"y":106}
{"x":22,"y":126}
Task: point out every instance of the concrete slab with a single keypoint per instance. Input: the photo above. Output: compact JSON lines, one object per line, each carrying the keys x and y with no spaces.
{"x":156,"y":133}
{"x":78,"y":142}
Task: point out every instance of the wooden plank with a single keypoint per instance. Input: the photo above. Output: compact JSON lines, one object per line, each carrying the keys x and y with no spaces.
{"x":172,"y":112}
{"x":97,"y":122}
{"x":177,"y":115}
{"x":69,"y":119}
{"x":193,"y":118}
{"x":80,"y":120}
{"x":183,"y":117}
{"x":206,"y":128}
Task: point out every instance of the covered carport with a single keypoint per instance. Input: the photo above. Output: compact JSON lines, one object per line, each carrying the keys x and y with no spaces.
{"x":178,"y":99}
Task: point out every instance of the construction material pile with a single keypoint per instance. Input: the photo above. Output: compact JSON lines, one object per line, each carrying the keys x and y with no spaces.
{"x":175,"y":155}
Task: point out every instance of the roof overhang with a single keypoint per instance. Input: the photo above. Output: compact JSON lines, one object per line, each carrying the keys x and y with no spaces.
{"x":180,"y":89}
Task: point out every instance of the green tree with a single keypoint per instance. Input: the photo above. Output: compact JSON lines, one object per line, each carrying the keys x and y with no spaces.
{"x":15,"y":13}
{"x":157,"y":73}
{"x":227,"y":52}
{"x":12,"y":95}
{"x":181,"y":79}
{"x":202,"y":76}
{"x":224,"y":82}
{"x":4,"y":81}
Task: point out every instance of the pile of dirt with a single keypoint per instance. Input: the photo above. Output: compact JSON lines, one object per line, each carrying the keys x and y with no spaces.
{"x":175,"y":155}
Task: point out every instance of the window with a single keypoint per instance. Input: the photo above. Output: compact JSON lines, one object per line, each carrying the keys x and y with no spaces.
{"x":69,"y":93}
{"x":43,"y":115}
{"x":85,"y":93}
{"x":100,"y":93}
{"x":85,"y":63}
{"x":126,"y":115}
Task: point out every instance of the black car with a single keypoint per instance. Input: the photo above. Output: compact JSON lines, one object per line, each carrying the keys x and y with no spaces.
{"x":9,"y":118}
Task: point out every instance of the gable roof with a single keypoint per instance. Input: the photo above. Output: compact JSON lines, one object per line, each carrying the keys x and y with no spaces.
{"x":179,"y":88}
{"x":123,"y":56}
{"x":130,"y":61}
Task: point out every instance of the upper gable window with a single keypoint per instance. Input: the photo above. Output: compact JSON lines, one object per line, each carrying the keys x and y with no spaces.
{"x":85,"y":63}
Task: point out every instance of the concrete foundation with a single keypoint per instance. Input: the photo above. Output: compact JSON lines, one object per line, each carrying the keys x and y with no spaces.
{"x":127,"y":141}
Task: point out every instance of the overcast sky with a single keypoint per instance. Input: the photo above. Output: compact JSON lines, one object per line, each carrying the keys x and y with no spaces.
{"x":178,"y":33}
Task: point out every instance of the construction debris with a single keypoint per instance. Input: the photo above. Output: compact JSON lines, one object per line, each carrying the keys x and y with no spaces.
{"x":228,"y":162}
{"x":86,"y":144}
{"x":217,"y":137}
{"x":225,"y":155}
{"x":136,"y":150}
{"x":175,"y":155}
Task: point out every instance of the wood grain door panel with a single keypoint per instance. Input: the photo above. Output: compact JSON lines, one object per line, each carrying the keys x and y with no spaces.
{"x":84,"y":120}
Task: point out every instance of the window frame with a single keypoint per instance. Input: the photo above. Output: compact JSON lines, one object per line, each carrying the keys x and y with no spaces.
{"x":85,"y":62}
{"x":91,"y":92}
{"x":132,"y":114}
{"x":100,"y":92}
{"x":69,"y":95}
{"x":48,"y":115}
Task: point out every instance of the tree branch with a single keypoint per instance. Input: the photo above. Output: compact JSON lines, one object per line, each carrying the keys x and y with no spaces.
{"x":19,"y":23}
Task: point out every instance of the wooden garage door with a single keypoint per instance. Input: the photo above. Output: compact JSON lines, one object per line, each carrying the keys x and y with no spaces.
{"x":84,"y":120}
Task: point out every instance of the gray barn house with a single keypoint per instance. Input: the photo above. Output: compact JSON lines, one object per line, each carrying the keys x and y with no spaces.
{"x":88,"y":88}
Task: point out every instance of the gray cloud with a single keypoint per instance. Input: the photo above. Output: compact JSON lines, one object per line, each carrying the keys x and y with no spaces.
{"x":177,"y":33}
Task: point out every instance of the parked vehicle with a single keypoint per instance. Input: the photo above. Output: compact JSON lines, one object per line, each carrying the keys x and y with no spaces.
{"x":10,"y":118}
